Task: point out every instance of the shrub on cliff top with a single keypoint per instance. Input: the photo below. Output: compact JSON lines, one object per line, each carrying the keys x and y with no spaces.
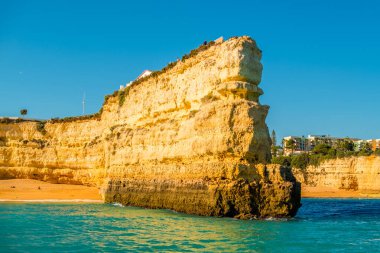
{"x":201,"y":48}
{"x":365,"y":150}
{"x":41,"y":127}
{"x":17,"y":120}
{"x":123,"y":94}
{"x":282,"y":160}
{"x":95,"y":116}
{"x":121,"y":97}
{"x":300,"y":161}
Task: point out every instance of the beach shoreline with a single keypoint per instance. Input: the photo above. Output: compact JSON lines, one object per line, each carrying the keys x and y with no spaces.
{"x":29,"y":190}
{"x":329,"y":192}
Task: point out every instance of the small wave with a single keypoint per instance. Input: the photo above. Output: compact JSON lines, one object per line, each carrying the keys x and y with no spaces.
{"x":276,"y":219}
{"x":117,"y":204}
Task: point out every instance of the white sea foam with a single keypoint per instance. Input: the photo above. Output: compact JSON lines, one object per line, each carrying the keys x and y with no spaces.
{"x":117,"y":204}
{"x":276,"y":219}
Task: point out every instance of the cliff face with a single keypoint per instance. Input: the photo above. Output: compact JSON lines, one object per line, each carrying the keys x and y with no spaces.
{"x":186,"y":139}
{"x":360,"y":174}
{"x":66,"y":153}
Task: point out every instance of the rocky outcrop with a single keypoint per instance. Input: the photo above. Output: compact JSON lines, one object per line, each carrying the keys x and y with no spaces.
{"x":229,"y":188}
{"x":189,"y":138}
{"x":360,"y":174}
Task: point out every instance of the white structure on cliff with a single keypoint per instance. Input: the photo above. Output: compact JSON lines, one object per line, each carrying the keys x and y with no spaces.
{"x":142,"y":75}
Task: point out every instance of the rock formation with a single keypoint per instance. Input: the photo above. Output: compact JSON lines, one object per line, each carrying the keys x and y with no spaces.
{"x":361,"y":174}
{"x":188,"y":138}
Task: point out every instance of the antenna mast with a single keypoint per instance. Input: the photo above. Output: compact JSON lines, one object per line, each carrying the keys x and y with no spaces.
{"x":83,"y":103}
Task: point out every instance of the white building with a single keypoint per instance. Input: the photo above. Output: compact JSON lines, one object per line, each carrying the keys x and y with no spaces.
{"x":299,"y":145}
{"x":306,"y":144}
{"x":142,"y":75}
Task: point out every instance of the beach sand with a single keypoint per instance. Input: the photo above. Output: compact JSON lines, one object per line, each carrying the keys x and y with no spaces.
{"x":329,"y":192}
{"x":30,"y":190}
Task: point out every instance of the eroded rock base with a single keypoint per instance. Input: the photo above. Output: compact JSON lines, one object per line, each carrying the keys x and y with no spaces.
{"x":267,"y":192}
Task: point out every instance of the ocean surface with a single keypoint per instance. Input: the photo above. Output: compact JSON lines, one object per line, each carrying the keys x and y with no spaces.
{"x":322,"y":225}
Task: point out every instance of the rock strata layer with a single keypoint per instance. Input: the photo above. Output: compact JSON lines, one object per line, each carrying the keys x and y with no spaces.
{"x":359,"y":174}
{"x":190,"y":138}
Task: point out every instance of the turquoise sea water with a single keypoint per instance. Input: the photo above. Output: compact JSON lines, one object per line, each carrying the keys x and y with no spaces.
{"x":321,"y":225}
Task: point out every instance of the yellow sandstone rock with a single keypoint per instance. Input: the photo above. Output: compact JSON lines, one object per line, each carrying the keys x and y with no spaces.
{"x":359,"y":175}
{"x":188,"y":138}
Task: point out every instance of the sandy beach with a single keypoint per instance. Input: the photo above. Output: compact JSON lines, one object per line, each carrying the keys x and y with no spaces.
{"x":28,"y":190}
{"x":327,"y":192}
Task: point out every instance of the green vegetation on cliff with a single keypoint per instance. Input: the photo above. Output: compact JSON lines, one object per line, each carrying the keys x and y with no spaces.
{"x":322,"y":152}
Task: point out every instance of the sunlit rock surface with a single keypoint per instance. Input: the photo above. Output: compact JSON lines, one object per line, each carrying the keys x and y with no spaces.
{"x":190,"y":138}
{"x":360,"y":174}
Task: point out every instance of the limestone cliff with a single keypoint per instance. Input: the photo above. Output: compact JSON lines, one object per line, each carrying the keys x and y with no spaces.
{"x":361,"y":174}
{"x":187,"y":138}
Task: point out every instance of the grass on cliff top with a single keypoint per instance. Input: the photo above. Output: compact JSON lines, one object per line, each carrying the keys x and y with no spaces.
{"x":125,"y":92}
{"x":122,"y":94}
{"x":17,"y":120}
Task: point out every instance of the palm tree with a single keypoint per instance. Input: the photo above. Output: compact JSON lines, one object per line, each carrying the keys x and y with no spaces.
{"x":290,"y":144}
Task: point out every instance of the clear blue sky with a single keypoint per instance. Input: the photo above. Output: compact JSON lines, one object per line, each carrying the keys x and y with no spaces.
{"x":321,"y":58}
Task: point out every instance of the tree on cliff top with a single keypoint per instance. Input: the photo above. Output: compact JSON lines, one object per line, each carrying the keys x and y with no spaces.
{"x":23,"y":112}
{"x":273,"y":138}
{"x":321,"y":149}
